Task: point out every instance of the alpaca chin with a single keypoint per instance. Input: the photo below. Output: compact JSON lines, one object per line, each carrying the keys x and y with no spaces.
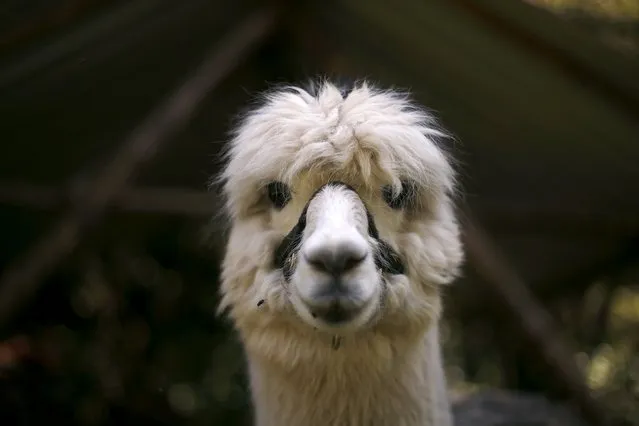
{"x":341,"y":322}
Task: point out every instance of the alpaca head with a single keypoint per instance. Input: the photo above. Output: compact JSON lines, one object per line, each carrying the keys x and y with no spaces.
{"x":341,"y":215}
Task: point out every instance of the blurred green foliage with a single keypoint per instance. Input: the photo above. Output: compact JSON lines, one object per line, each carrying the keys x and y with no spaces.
{"x":615,"y":22}
{"x":625,"y":9}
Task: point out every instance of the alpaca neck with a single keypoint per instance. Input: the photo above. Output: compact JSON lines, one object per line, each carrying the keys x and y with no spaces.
{"x":408,"y":390}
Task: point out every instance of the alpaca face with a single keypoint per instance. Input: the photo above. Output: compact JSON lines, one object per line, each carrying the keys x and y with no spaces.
{"x":341,"y":216}
{"x":334,"y":261}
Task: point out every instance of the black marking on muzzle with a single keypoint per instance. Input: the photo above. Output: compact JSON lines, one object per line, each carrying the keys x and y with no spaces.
{"x":286,"y":252}
{"x":386,"y":258}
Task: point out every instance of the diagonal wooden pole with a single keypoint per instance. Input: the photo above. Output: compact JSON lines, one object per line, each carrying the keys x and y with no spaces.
{"x":22,"y":279}
{"x":531,"y":318}
{"x":132,"y":199}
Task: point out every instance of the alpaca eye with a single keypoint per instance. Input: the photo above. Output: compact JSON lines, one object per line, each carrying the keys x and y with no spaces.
{"x":404,"y":199}
{"x":279,"y":194}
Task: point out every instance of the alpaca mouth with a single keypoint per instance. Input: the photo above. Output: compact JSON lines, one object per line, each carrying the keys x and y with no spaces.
{"x":339,"y":312}
{"x":335,"y":305}
{"x":335,"y":314}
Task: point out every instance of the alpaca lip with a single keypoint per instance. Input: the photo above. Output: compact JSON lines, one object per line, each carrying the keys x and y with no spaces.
{"x":335,"y":305}
{"x":335,"y":314}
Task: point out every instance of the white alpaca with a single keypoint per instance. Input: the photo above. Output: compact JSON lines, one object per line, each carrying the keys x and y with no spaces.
{"x":342,"y":234}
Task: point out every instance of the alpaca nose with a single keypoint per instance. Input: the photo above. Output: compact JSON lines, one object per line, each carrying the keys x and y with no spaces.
{"x":336,"y":260}
{"x":335,"y":300}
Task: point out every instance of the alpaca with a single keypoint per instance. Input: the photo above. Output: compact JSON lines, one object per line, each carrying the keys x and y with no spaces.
{"x":342,"y":235}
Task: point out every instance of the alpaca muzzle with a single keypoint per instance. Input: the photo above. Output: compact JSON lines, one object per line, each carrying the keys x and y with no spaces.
{"x":337,"y":261}
{"x":334,"y":260}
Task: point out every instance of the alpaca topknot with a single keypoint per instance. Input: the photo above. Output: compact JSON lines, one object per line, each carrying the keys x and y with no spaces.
{"x":358,"y":130}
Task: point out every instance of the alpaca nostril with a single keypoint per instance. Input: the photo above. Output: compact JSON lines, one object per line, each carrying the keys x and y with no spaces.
{"x":336,"y":262}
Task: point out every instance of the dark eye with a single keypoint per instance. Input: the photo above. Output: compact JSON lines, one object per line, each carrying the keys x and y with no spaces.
{"x":402,"y":200}
{"x":279,"y":194}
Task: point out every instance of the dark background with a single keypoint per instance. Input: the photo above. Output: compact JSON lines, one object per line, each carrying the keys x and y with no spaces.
{"x":112,"y":115}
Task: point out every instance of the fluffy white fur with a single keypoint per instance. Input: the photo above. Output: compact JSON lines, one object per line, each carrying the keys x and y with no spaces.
{"x":388,"y":369}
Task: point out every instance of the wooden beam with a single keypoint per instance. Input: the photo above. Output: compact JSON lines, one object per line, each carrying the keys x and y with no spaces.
{"x":531,"y":318}
{"x":42,"y":18}
{"x":21,"y":280}
{"x":581,"y":56}
{"x":157,"y":200}
{"x":472,"y":305}
{"x":106,"y":23}
{"x":557,"y":220}
{"x":503,"y":218}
